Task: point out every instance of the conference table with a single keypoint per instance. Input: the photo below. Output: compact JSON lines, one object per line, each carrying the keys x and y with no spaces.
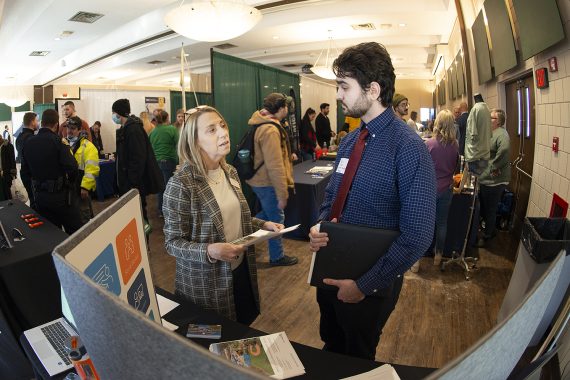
{"x":319,"y":364}
{"x":29,"y":286}
{"x":303,"y":206}
{"x":105,"y":182}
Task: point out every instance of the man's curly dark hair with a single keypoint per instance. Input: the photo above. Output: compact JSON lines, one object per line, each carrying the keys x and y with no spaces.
{"x":368,"y":62}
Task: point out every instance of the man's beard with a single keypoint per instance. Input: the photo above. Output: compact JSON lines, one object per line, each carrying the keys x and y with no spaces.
{"x":360,"y":107}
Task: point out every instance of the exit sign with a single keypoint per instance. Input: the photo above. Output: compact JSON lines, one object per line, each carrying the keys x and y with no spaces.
{"x":541,"y":78}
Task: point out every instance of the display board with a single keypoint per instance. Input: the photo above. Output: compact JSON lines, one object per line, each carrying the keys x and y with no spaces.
{"x":503,"y":52}
{"x":482,"y":55}
{"x":114,"y":255}
{"x":460,"y":75}
{"x":539,"y":25}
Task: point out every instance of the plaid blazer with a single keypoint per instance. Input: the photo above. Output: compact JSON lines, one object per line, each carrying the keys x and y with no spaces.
{"x":192,"y":220}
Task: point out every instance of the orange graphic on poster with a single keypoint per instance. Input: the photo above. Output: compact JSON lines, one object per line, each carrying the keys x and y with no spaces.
{"x":128,"y":250}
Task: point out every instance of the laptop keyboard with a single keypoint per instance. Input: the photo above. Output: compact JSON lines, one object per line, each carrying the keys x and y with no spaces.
{"x":57,"y":335}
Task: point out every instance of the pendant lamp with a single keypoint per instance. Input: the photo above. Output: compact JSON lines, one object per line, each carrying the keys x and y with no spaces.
{"x":211,"y":20}
{"x":323,"y":68}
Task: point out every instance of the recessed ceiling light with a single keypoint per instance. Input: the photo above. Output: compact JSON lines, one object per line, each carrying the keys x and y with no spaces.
{"x":401,"y":25}
{"x":39,"y":53}
{"x":275,"y":37}
{"x":367,"y":26}
{"x":57,"y":39}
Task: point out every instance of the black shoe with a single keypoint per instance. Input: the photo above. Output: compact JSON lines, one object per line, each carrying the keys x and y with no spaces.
{"x":284,"y":261}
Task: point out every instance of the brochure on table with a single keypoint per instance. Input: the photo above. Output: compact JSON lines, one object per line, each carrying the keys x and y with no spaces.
{"x":272,"y":355}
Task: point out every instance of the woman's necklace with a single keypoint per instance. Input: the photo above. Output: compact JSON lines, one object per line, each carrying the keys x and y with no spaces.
{"x":216,"y":178}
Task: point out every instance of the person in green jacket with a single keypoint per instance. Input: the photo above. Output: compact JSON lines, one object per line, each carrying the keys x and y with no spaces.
{"x":496,"y":176}
{"x":164,"y":141}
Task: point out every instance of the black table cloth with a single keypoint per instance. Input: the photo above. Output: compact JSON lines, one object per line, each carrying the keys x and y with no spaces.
{"x":29,"y":287}
{"x":303,"y":206}
{"x":318,"y":364}
{"x":105,"y":182}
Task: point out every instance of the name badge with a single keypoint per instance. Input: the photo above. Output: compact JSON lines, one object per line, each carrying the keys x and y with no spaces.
{"x":342,"y":165}
{"x":235,"y":183}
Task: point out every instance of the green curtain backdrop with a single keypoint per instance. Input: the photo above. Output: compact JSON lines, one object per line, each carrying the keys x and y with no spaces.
{"x":24,"y":107}
{"x":39,"y":108}
{"x":239,"y":87}
{"x":204,"y":98}
{"x":5,"y":112}
{"x":339,"y":115}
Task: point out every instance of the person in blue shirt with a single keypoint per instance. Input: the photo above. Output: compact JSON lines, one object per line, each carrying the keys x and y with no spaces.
{"x":394,"y":188}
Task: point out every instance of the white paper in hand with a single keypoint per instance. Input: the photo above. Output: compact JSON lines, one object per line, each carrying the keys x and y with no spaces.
{"x":262,"y":235}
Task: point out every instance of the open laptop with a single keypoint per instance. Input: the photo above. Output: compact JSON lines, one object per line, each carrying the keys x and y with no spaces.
{"x":110,"y":249}
{"x":49,"y":340}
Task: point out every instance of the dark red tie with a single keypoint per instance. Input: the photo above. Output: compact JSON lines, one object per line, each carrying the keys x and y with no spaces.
{"x":349,"y":173}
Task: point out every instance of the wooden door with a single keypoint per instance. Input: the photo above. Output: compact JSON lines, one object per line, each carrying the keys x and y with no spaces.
{"x":521,"y":127}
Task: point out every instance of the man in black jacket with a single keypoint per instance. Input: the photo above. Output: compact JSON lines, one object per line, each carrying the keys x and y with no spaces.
{"x":136,"y":164}
{"x":30,"y":126}
{"x":53,"y":169}
{"x":8,"y":166}
{"x":323,"y":126}
{"x":462,"y":126}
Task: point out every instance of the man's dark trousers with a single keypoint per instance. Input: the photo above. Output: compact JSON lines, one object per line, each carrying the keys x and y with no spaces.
{"x":354,"y":329}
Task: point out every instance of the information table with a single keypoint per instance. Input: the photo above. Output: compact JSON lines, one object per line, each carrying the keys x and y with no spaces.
{"x":29,"y":286}
{"x":303,"y":206}
{"x":106,"y":180}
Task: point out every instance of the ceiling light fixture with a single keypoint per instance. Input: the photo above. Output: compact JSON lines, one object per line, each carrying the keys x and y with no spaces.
{"x":212,"y":20}
{"x":324,"y":69}
{"x":13,"y":96}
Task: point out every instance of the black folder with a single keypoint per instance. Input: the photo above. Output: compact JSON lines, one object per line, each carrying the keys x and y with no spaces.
{"x":350,"y":252}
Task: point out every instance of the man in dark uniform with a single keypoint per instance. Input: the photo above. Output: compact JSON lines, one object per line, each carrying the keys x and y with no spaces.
{"x":30,"y":126}
{"x":53,"y":169}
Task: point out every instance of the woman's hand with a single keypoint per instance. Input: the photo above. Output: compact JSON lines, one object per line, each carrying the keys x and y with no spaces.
{"x":225,"y":251}
{"x":271,"y":226}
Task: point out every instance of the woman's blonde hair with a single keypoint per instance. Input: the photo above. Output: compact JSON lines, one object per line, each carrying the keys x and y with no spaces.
{"x":188,"y":148}
{"x":444,"y":128}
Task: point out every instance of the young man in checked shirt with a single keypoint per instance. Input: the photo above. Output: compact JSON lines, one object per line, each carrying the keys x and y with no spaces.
{"x":393,"y":188}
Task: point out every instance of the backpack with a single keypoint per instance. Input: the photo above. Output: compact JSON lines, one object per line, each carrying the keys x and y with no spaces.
{"x":244,"y":162}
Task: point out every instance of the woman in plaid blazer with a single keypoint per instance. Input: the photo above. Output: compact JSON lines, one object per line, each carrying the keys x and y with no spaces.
{"x":204,"y":209}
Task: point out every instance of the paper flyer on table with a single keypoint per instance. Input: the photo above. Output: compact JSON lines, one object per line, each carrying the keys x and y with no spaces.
{"x":384,"y":372}
{"x":165,"y":305}
{"x":272,"y":355}
{"x":262,"y":235}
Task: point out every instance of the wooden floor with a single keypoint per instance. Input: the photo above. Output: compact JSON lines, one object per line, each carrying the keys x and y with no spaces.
{"x":438,"y":316}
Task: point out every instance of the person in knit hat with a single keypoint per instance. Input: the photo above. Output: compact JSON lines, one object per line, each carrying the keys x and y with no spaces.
{"x":136,"y":164}
{"x":122,"y":107}
{"x":400,"y":104}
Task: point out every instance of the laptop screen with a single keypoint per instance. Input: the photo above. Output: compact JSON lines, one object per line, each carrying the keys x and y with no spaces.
{"x":67,"y":311}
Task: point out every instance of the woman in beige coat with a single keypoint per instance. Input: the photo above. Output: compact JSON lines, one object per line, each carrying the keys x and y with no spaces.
{"x":204,"y":209}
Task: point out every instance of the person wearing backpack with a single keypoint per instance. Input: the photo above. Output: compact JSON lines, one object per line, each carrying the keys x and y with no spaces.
{"x":274,"y":176}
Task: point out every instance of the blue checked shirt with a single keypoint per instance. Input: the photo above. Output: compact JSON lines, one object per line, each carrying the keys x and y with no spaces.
{"x":393,"y":188}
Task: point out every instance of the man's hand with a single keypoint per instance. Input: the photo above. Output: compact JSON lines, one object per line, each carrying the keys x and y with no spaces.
{"x":347,"y":290}
{"x":318,"y":239}
{"x":84,"y":194}
{"x":282,"y":204}
{"x":294,"y":157}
